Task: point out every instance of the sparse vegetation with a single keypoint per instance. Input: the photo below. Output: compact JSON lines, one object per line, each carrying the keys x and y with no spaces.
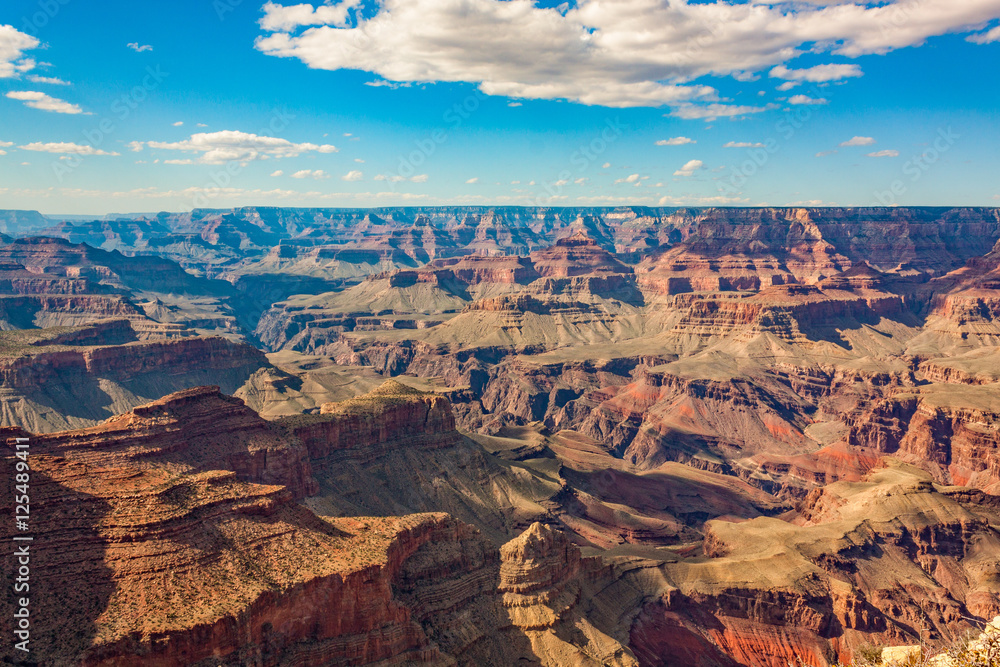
{"x":971,"y":651}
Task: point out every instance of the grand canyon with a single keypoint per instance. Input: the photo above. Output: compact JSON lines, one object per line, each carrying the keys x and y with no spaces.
{"x":656,"y":436}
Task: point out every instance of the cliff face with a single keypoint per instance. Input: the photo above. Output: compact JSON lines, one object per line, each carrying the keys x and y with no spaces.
{"x":821,"y":591}
{"x":46,"y":281}
{"x":796,"y":313}
{"x":953,"y":432}
{"x":364,"y":427}
{"x":190,"y":547}
{"x":193,"y":431}
{"x":54,"y":379}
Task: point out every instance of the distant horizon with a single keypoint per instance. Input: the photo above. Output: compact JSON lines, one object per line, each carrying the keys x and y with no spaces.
{"x":68,"y":216}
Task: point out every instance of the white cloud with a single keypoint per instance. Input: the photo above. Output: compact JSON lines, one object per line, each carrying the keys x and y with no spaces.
{"x":701,"y":201}
{"x":135,"y":146}
{"x":178,"y":123}
{"x":689,"y":168}
{"x":139,"y":48}
{"x":275,"y":174}
{"x":885,"y":153}
{"x":279,"y":18}
{"x":859,"y":141}
{"x":786,"y":86}
{"x":606,"y":165}
{"x":613,"y":53}
{"x":6,"y":144}
{"x":986,"y":37}
{"x":675,"y":141}
{"x":184,"y":161}
{"x":235,"y":146}
{"x":419,"y":178}
{"x":632,"y":179}
{"x":472,"y":181}
{"x":713,"y":111}
{"x":825,"y":153}
{"x":65,"y":148}
{"x":13,"y":44}
{"x":515,"y":104}
{"x":806,"y":100}
{"x":743,"y":144}
{"x":817,"y":74}
{"x":202,"y":125}
{"x":51,"y":80}
{"x":37,"y":100}
{"x":352,"y":175}
{"x":317,"y":174}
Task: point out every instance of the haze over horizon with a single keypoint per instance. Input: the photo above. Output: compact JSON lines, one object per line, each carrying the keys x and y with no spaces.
{"x":496,"y":102}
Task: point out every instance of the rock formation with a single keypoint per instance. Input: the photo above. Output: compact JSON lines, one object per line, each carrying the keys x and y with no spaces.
{"x":627,"y":436}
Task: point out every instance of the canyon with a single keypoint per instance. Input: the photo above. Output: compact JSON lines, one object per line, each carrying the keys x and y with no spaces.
{"x":477,"y":435}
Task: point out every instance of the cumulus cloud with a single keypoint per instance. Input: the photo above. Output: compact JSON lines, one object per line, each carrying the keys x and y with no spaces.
{"x":64,"y":148}
{"x":13,"y":44}
{"x":817,"y":74}
{"x":37,"y":100}
{"x":689,"y":168}
{"x":235,"y":146}
{"x":472,"y":181}
{"x":279,"y":18}
{"x":859,"y":141}
{"x":675,"y":141}
{"x":986,"y":37}
{"x":631,"y":178}
{"x":139,"y":48}
{"x":806,"y":100}
{"x":885,"y":153}
{"x":743,"y":144}
{"x":178,"y":123}
{"x":617,"y":53}
{"x":353,"y":175}
{"x":277,"y":173}
{"x":317,"y":174}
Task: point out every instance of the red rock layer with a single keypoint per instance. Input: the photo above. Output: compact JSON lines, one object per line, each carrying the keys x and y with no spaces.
{"x":391,"y":416}
{"x":127,"y":361}
{"x":191,"y":431}
{"x":576,"y":255}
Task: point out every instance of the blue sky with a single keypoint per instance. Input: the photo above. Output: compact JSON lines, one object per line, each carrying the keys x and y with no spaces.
{"x":423,"y":102}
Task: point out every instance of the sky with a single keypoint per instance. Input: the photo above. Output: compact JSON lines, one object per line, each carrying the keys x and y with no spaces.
{"x":119,"y":106}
